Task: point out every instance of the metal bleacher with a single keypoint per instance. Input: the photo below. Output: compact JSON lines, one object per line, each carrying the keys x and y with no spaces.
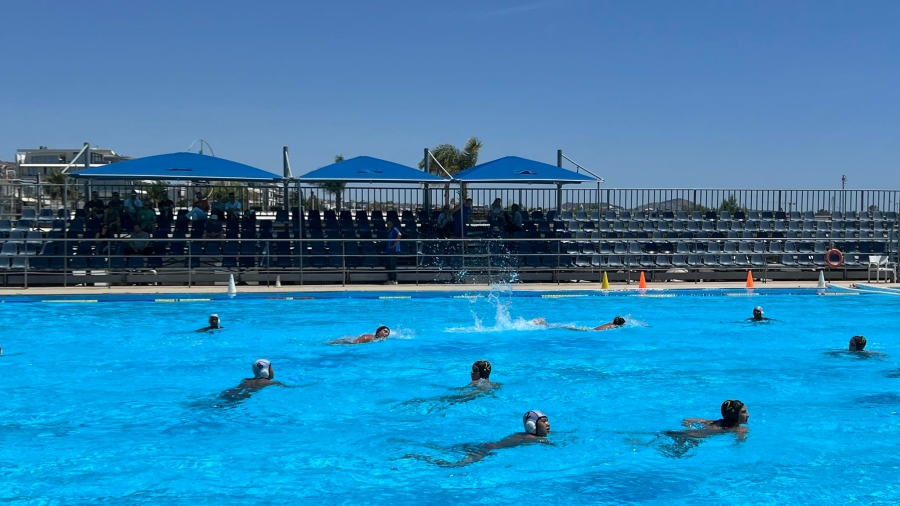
{"x":346,"y":247}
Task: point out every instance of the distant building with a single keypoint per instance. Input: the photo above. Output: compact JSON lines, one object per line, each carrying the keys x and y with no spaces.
{"x":8,"y":170}
{"x":44,"y":161}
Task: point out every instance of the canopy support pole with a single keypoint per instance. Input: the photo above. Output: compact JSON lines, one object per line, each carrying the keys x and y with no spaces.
{"x":286,"y":163}
{"x":426,"y":192}
{"x":558,"y":199}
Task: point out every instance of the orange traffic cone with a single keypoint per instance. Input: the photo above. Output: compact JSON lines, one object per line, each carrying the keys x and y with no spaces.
{"x":750,"y":279}
{"x":643,"y":282}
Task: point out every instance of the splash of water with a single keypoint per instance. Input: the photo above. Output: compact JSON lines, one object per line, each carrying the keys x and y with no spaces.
{"x":500,"y":301}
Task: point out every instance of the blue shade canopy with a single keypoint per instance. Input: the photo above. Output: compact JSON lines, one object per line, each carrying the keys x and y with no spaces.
{"x":512,"y":169}
{"x":178,"y":166}
{"x":365,"y":169}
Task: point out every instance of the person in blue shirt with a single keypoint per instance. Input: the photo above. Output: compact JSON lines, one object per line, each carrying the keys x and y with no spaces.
{"x":461,"y":217}
{"x":392,"y":250}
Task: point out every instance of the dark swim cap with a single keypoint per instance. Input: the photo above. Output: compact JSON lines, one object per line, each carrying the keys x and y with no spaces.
{"x":731,"y":411}
{"x":857,"y":343}
{"x":483,"y":367}
{"x":618,"y":320}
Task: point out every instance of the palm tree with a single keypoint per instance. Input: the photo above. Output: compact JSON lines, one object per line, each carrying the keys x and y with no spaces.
{"x":452,"y":159}
{"x":335,"y":188}
{"x":58,"y":180}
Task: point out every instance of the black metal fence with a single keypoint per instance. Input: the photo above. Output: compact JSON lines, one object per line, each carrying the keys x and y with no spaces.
{"x":15,"y":196}
{"x":186,"y":261}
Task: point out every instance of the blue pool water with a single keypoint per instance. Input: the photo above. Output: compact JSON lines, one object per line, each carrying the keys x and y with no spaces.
{"x":116,"y":402}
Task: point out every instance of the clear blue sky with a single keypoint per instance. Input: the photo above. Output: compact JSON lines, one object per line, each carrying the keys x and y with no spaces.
{"x":651,"y":93}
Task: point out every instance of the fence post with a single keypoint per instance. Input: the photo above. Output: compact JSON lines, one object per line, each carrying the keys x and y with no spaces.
{"x":190,"y":264}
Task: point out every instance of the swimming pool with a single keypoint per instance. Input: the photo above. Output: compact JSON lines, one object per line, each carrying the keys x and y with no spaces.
{"x":117,"y":402}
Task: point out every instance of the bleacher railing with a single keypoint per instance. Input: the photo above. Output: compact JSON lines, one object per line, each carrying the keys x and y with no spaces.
{"x":69,"y":261}
{"x":16,"y":195}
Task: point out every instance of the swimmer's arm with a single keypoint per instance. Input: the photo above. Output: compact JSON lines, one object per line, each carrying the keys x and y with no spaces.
{"x":741,"y":433}
{"x":687,"y":422}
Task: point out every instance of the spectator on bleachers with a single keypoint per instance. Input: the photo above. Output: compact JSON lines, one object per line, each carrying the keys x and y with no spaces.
{"x":513,"y":219}
{"x":392,"y":250}
{"x":112,"y":219}
{"x":166,"y":208}
{"x":146,"y":217}
{"x":94,"y":207}
{"x":133,"y":205}
{"x":140,"y":242}
{"x":445,"y":223}
{"x":461,"y":216}
{"x":197,"y":213}
{"x":213,"y":228}
{"x":115,"y":203}
{"x":495,"y":214}
{"x":218,"y":203}
{"x":102,"y":236}
{"x":201,"y":202}
{"x":232,"y":207}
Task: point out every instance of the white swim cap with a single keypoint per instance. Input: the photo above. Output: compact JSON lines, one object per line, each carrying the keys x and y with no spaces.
{"x":214,"y":315}
{"x":530,"y":420}
{"x":261,"y":368}
{"x":758,"y":308}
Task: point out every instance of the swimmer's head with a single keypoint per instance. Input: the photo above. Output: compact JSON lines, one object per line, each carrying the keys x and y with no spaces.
{"x":536,"y":423}
{"x":618,"y":321}
{"x":262,"y":368}
{"x":734,"y":413}
{"x":214,"y":319}
{"x":857,"y":343}
{"x":382,"y":332}
{"x":481,"y":370}
{"x":758,"y":312}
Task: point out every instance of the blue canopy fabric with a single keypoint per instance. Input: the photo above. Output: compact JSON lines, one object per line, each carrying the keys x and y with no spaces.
{"x":513,"y":169}
{"x":178,"y":166}
{"x":365,"y":169}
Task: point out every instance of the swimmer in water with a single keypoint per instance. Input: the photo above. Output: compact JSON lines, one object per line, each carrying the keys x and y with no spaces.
{"x":213,"y":324}
{"x":480,"y":385}
{"x":617,"y":322}
{"x":263,"y":376}
{"x":734,"y":417}
{"x":481,"y":374}
{"x":380,"y":334}
{"x":537,"y":428}
{"x":757,"y":315}
{"x":858,"y":348}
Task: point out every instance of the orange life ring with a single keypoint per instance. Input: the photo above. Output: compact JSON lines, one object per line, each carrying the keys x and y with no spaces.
{"x":840,"y":258}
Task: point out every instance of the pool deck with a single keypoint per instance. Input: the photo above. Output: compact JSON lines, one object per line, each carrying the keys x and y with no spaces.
{"x":525,"y":287}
